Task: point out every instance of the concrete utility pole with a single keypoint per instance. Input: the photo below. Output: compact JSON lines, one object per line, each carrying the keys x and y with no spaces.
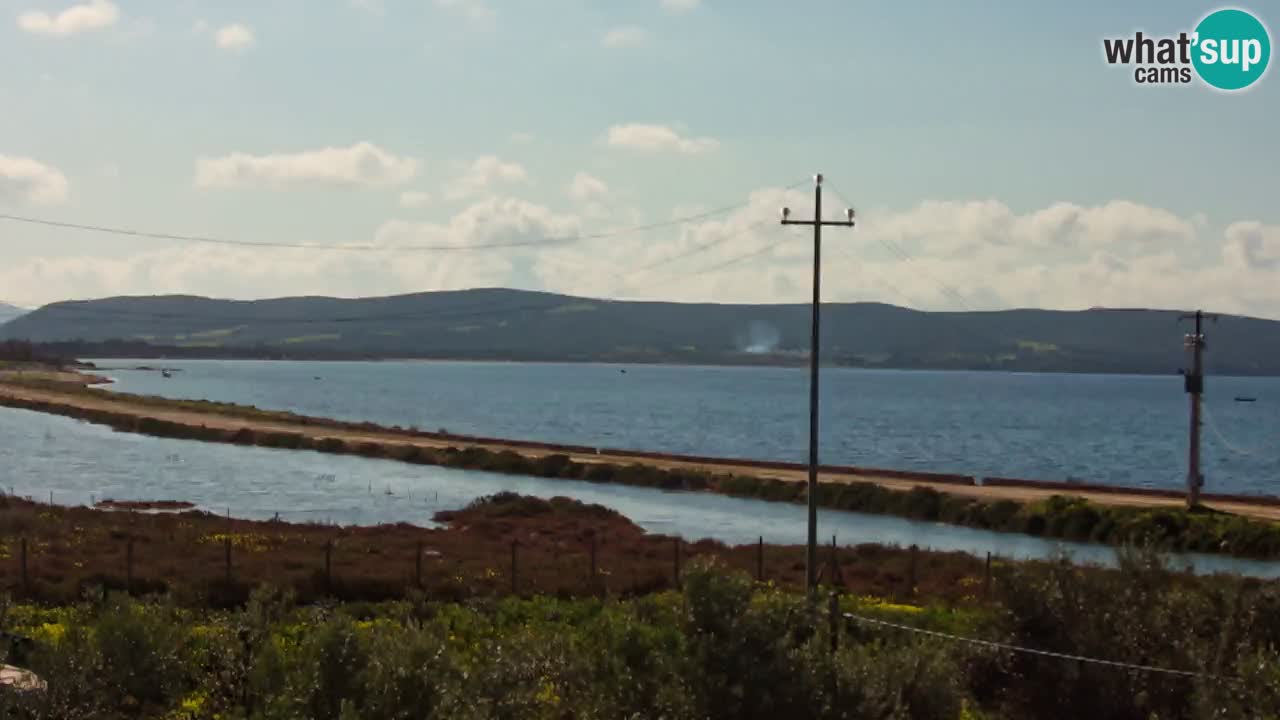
{"x":1194,"y":384}
{"x":811,"y":558}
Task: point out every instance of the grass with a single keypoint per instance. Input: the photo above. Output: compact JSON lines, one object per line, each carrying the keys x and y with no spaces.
{"x":301,"y":339}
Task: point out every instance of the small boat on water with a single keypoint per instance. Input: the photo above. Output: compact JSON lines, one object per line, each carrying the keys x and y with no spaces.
{"x":1241,"y":398}
{"x":166,"y":373}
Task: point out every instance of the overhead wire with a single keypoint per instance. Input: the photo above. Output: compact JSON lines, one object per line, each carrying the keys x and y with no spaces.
{"x":1226,"y":443}
{"x":896,"y":248}
{"x":204,"y":239}
{"x":993,"y":645}
{"x":91,"y":310}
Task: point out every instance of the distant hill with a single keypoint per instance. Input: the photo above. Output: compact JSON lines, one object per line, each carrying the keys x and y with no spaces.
{"x":519,"y":325}
{"x":9,"y":312}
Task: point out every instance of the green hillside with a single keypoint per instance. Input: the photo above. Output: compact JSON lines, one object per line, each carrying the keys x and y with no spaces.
{"x":522,"y":325}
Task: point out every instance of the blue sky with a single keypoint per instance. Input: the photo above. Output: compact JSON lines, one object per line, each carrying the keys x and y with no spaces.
{"x":956,"y":128}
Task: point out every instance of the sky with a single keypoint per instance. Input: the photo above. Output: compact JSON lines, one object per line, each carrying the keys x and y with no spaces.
{"x":993,"y":157}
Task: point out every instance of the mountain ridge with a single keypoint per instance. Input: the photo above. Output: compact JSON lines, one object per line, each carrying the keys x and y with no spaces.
{"x":9,"y":312}
{"x":507,"y":324}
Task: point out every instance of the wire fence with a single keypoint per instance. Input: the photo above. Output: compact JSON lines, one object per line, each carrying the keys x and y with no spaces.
{"x":58,"y":553}
{"x":993,"y":645}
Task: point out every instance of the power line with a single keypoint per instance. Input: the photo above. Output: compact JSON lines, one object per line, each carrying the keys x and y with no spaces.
{"x":894,"y":247}
{"x":83,"y":308}
{"x":1213,"y":425}
{"x":131,"y":232}
{"x":697,"y":249}
{"x":990,"y":644}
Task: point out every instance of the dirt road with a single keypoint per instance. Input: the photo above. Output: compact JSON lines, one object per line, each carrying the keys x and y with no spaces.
{"x":13,"y":394}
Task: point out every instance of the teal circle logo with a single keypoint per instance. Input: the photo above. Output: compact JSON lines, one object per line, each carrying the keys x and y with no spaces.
{"x":1231,"y":49}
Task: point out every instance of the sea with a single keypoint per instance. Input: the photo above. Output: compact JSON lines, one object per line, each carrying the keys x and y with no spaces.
{"x":1110,"y":429}
{"x":1113,"y":429}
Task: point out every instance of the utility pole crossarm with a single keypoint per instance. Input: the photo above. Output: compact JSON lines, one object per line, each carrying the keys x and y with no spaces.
{"x":811,"y":557}
{"x":834,"y":223}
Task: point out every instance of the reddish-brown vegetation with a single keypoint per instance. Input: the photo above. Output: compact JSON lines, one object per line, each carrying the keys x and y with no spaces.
{"x":71,"y":551}
{"x":160,"y":505}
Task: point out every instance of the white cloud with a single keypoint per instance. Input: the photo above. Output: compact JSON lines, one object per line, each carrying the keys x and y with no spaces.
{"x":628,"y":36}
{"x":30,"y":181}
{"x":521,"y":138}
{"x":93,"y":15}
{"x":483,"y":174}
{"x":1131,"y":255}
{"x":657,"y":138}
{"x":586,"y":187}
{"x":223,"y":271}
{"x":362,"y":164}
{"x":476,"y":11}
{"x":414,"y":199}
{"x":1253,"y":246}
{"x":373,"y":7}
{"x":981,"y":251}
{"x":201,"y":26}
{"x":234,"y":37}
{"x":679,"y":7}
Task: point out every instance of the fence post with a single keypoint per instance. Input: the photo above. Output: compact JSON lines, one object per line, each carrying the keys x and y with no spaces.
{"x":227,"y":547}
{"x":676,"y":559}
{"x":328,"y":567}
{"x":986,"y":579}
{"x":833,"y":617}
{"x":417,"y":567}
{"x":594,"y":567}
{"x":912,"y":576}
{"x":760,"y":559}
{"x":128,"y":567}
{"x":835,"y":566}
{"x":26,"y":584}
{"x":515,"y":582}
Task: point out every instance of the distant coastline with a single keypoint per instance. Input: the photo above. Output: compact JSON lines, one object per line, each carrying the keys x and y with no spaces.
{"x":95,"y":352}
{"x":503,"y":325}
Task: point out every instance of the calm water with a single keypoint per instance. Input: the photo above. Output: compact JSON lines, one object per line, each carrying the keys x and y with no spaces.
{"x":1123,"y":430}
{"x":77,"y":462}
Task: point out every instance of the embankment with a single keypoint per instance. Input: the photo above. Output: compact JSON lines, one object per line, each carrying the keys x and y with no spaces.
{"x":1238,"y":527}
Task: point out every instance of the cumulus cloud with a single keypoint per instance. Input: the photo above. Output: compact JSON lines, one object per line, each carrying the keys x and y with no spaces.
{"x":657,"y":138}
{"x":362,"y":164}
{"x":373,"y":7}
{"x":586,"y":187}
{"x":628,"y":36}
{"x":1253,"y":246}
{"x":224,"y":271}
{"x":234,"y":38}
{"x":485,"y":173}
{"x":93,"y":15}
{"x":414,"y":199}
{"x":476,"y":11}
{"x":943,"y":255}
{"x":679,"y":7}
{"x":26,"y":180}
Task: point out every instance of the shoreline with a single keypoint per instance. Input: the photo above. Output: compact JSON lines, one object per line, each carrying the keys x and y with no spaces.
{"x":639,"y":362}
{"x":1233,"y":525}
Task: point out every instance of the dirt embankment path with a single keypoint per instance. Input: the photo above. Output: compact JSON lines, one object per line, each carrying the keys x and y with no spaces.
{"x":18,"y":395}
